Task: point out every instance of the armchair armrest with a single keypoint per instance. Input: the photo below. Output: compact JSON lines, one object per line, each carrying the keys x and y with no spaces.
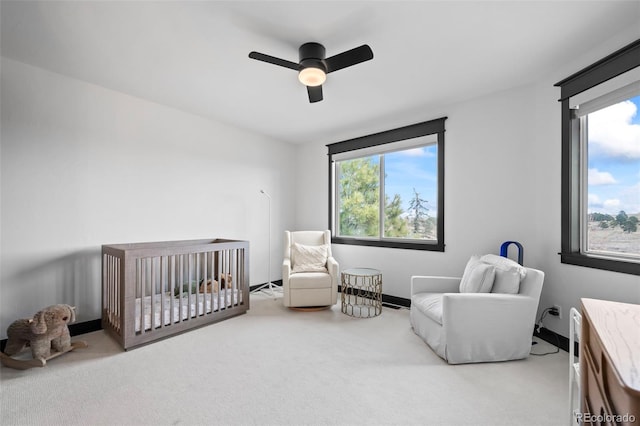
{"x":492,"y":308}
{"x":286,"y":270}
{"x":332,"y":267}
{"x":432,"y":284}
{"x":499,"y":324}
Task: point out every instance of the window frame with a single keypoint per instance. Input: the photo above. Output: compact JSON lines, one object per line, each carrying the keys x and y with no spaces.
{"x":426,"y":128}
{"x":619,"y":62}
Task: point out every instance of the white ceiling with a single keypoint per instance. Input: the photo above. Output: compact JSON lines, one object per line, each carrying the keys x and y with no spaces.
{"x":193,"y":55}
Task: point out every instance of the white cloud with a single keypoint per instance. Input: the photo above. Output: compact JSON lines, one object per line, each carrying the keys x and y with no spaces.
{"x":625,"y":198}
{"x":611,"y":204}
{"x":630,"y":199}
{"x":612,"y":130}
{"x":594,"y":201}
{"x":596,"y":177}
{"x":417,"y":152}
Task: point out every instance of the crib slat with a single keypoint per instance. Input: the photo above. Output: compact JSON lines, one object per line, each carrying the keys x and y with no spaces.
{"x":106,"y":300}
{"x":144,"y":287}
{"x":205,"y":279}
{"x":234,"y":266}
{"x":106,"y":296}
{"x":152,"y":291}
{"x":189,"y":286}
{"x":110,"y":290}
{"x":226,"y":274}
{"x":218,"y":274}
{"x":240,"y":274}
{"x":115,"y":290}
{"x":225,"y":261}
{"x":234,"y":287}
{"x":207,"y":276}
{"x":171,"y":284}
{"x":197,"y":279}
{"x":140,"y":291}
{"x":180,"y":281}
{"x":232,"y":272}
{"x":162,"y":292}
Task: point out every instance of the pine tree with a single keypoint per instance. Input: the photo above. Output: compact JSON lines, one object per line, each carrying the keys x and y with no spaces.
{"x":359,"y":194}
{"x":628,"y":224}
{"x":418,"y":206}
{"x":394,"y":225}
{"x":359,"y":197}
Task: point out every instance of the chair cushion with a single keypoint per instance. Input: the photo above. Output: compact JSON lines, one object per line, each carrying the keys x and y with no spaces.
{"x":478,"y":276}
{"x":309,"y":258}
{"x":429,"y":304}
{"x":506,"y":281}
{"x":310,"y":280}
{"x":508,"y":274}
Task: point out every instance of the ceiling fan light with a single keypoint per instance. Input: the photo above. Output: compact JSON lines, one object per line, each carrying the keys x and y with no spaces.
{"x":312,"y":76}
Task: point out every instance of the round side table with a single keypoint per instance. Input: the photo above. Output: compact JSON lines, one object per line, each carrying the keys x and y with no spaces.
{"x":361,"y":292}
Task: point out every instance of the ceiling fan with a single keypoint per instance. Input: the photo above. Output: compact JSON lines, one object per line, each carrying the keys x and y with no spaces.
{"x":314,"y":67}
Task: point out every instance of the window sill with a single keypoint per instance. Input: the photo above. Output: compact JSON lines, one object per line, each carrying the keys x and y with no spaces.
{"x":389,"y":244}
{"x":600,"y":263}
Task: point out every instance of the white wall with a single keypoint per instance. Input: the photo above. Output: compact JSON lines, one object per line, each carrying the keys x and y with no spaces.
{"x":502,"y":182}
{"x":84,"y":166}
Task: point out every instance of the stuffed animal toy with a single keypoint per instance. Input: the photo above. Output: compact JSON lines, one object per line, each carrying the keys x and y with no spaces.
{"x":185,"y":289}
{"x":226,"y":280}
{"x":46,"y":330}
{"x":211,"y":286}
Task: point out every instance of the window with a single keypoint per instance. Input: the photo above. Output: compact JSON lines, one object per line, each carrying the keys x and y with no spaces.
{"x":610,"y":142}
{"x":601,"y":164}
{"x":387,"y":189}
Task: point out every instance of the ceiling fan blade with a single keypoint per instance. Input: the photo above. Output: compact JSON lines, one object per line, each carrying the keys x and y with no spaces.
{"x":348,"y":58}
{"x":315,"y":93}
{"x":274,"y":60}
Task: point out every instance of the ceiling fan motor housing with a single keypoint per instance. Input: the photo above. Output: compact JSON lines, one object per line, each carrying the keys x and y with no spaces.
{"x":312,"y":55}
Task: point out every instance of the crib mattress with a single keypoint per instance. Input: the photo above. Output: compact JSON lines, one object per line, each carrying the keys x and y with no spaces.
{"x":191,"y":306}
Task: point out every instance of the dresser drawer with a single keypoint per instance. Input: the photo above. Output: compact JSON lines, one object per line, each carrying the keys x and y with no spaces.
{"x":623,"y":403}
{"x":596,"y":408}
{"x":591,"y":342}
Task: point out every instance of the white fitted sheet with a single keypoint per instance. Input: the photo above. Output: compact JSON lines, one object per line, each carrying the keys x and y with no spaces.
{"x":191,"y":306}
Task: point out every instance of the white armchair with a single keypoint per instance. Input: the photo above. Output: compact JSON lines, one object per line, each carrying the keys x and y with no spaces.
{"x":475,"y":327}
{"x":309,"y":271}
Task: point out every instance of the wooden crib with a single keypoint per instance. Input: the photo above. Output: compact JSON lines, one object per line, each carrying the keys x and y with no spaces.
{"x":155,"y":290}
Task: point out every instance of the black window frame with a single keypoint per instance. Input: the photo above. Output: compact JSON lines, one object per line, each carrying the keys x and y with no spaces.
{"x":619,"y":62}
{"x":426,"y":128}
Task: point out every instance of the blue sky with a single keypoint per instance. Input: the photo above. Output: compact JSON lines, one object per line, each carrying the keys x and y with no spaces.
{"x":414,"y":168}
{"x":614,"y":158}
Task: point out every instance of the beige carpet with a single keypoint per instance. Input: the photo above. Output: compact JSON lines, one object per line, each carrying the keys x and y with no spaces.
{"x":274,"y":366}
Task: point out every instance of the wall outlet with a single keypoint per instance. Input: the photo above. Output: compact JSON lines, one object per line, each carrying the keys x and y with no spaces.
{"x":559,"y":309}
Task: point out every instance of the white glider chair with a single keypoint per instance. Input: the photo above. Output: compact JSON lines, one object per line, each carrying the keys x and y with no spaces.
{"x":309,"y":271}
{"x":487,"y":315}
